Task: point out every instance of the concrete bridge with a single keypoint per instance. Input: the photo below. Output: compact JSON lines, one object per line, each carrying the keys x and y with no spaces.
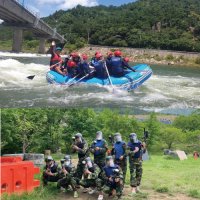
{"x":20,"y":18}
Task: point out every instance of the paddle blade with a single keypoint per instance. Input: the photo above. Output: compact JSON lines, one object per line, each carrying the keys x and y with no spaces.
{"x":30,"y":77}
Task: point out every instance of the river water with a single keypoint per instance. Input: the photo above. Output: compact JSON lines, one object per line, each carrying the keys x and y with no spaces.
{"x":171,"y":89}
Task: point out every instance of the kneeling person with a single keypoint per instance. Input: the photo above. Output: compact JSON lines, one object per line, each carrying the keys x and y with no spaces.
{"x":91,"y":177}
{"x":50,"y":173}
{"x":112,"y":177}
{"x":67,"y":175}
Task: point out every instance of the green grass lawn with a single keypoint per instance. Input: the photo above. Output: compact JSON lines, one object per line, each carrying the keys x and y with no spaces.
{"x":161,"y":174}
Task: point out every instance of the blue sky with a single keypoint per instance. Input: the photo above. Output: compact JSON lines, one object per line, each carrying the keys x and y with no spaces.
{"x":47,"y":7}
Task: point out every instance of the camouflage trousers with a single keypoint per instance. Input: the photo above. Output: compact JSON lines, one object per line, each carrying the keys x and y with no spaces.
{"x":123,"y":166}
{"x":46,"y":178}
{"x":86,"y":183}
{"x":135,"y":166}
{"x":100,"y":161}
{"x":118,"y":187}
{"x":79,"y":171}
{"x":66,"y":181}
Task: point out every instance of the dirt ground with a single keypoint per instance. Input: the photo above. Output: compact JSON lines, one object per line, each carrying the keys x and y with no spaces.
{"x":146,"y":194}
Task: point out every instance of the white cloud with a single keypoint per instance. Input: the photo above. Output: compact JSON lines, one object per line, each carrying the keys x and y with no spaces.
{"x":68,"y":4}
{"x":1,"y":21}
{"x":73,"y":3}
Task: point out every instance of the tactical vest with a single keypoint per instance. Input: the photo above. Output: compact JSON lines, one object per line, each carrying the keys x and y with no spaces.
{"x":100,"y":144}
{"x":80,"y":154}
{"x":109,"y":170}
{"x":119,"y":149}
{"x":132,"y":148}
{"x":53,"y":168}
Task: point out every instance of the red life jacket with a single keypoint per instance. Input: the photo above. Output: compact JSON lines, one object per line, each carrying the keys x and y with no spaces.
{"x":56,"y":59}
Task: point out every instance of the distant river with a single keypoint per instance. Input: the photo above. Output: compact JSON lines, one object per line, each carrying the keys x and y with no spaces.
{"x":171,"y":90}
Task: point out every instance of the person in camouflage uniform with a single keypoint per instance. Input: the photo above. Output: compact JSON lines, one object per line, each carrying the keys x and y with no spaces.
{"x":119,"y":153}
{"x":50,"y":173}
{"x":81,"y":147}
{"x":99,"y":148}
{"x":112,"y":176}
{"x":67,"y":175}
{"x":134,"y":150}
{"x":91,"y":177}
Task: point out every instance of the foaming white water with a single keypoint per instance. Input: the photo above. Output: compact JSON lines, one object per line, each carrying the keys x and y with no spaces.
{"x":10,"y":54}
{"x":25,"y":55}
{"x":15,"y":73}
{"x":168,"y":88}
{"x":161,"y":93}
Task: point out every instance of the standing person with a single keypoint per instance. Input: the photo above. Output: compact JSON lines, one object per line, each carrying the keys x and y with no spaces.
{"x":67,"y":174}
{"x":56,"y":60}
{"x":81,"y":147}
{"x":99,"y":148}
{"x":119,"y":153}
{"x":50,"y":173}
{"x":113,"y":178}
{"x":134,"y":150}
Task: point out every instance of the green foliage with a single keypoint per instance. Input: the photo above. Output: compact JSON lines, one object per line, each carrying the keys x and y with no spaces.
{"x":154,"y":128}
{"x":190,"y":123}
{"x":161,"y":24}
{"x":32,"y":44}
{"x":34,"y":130}
{"x":171,"y":136}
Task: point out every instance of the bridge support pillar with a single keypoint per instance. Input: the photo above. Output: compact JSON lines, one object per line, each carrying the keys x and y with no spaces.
{"x":17,"y":40}
{"x":42,"y":46}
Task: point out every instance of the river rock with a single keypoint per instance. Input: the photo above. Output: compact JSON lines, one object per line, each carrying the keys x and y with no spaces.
{"x":170,"y":153}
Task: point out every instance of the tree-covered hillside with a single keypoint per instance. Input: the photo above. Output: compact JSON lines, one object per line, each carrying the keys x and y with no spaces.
{"x":160,"y":24}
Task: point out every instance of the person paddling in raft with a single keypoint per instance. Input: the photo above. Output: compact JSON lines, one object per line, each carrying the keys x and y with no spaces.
{"x":56,"y":61}
{"x":99,"y":65}
{"x":118,"y":64}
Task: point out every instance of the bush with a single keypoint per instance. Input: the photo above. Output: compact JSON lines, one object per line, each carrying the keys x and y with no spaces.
{"x":32,"y":44}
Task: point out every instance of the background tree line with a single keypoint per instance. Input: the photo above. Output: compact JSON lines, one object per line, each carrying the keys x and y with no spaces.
{"x":34,"y":130}
{"x":160,"y":24}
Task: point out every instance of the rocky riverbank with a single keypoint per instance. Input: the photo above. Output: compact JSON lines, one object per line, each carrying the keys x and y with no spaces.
{"x":150,"y":56}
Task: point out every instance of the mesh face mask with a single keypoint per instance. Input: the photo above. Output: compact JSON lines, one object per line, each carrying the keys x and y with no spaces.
{"x":99,"y":135}
{"x":68,"y":162}
{"x":111,"y":163}
{"x":89,"y":164}
{"x":118,"y":138}
{"x":133,"y":138}
{"x":79,"y":140}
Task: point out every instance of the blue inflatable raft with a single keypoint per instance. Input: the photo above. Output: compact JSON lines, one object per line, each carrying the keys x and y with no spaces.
{"x":130,"y":81}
